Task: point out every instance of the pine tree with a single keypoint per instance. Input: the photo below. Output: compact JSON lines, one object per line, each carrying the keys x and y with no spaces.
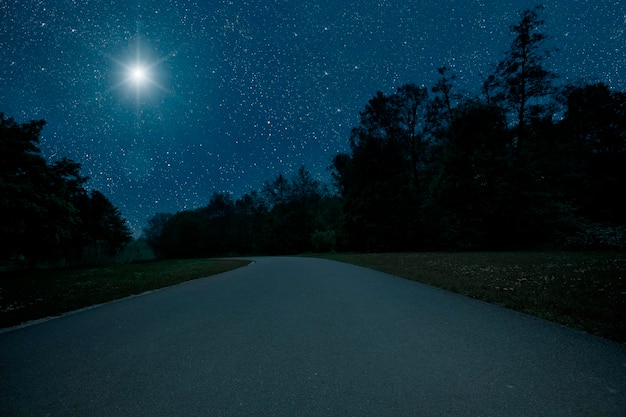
{"x":521,"y":77}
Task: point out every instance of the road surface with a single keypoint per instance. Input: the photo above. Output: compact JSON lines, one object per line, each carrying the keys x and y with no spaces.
{"x":307,"y":337}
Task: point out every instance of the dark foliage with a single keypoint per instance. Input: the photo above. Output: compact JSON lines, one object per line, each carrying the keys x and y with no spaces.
{"x":473,"y":188}
{"x":595,"y":126}
{"x":47,"y":215}
{"x":465,"y":174}
{"x":520,"y":80}
{"x":290,"y":216}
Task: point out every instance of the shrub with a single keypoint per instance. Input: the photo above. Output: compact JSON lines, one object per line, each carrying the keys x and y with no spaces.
{"x":324,"y":241}
{"x":600,"y":236}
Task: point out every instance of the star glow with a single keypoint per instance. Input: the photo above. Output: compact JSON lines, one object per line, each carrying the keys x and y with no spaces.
{"x":139,"y":74}
{"x":142,"y":73}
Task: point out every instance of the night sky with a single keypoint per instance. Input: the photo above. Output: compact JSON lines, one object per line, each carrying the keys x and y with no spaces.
{"x":164,"y":102}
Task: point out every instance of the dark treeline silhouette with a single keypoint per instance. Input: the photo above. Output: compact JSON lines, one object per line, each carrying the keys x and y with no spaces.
{"x":48,"y":217}
{"x":526,"y":165}
{"x":289,"y":216}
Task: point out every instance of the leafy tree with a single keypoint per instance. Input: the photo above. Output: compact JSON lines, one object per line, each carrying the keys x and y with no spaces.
{"x":412,"y":104}
{"x":251,"y":213}
{"x":22,"y":173}
{"x":102,"y":224}
{"x":379,"y":122}
{"x":472,"y":190}
{"x":19,"y":147}
{"x":293,"y":216}
{"x":595,"y":119}
{"x":183,"y":236}
{"x":304,"y":188}
{"x":277,"y":191}
{"x":341,"y":173}
{"x":377,"y":199}
{"x":385,"y":179}
{"x":220,"y":206}
{"x":304,"y":207}
{"x":40,"y":218}
{"x":154,"y":232}
{"x":218,"y":225}
{"x":47,"y":213}
{"x":251,"y":204}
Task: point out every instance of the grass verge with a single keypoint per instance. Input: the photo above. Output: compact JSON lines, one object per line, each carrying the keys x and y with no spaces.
{"x":30,"y":295}
{"x":585,"y":290}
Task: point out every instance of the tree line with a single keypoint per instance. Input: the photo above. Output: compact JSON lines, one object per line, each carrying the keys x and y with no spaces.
{"x":48,"y":216}
{"x":525,"y":165}
{"x":289,"y":215}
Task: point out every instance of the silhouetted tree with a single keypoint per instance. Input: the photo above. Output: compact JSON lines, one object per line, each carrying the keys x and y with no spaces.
{"x":22,"y":178}
{"x":472,"y":190}
{"x":102,"y":224}
{"x":595,"y":119}
{"x":184,"y":236}
{"x":47,"y":213}
{"x":153,"y":232}
{"x":304,"y":188}
{"x":415,"y":125}
{"x":445,"y":99}
{"x":521,"y":76}
{"x":218,"y":225}
{"x":251,"y":213}
{"x":276,"y":191}
{"x":381,"y":180}
{"x":294,"y":207}
{"x":304,"y":207}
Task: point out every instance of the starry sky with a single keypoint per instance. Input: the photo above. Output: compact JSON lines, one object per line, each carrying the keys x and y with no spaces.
{"x":164,"y":102}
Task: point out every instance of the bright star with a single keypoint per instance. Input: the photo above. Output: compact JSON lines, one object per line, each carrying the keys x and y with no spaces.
{"x":139,"y":74}
{"x":142,"y":75}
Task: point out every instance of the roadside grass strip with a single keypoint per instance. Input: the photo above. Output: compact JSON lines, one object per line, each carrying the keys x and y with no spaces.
{"x":583,"y":290}
{"x":32,"y":295}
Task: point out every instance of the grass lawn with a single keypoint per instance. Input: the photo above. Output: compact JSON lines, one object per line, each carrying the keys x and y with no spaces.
{"x":584,"y":290}
{"x":36,"y":294}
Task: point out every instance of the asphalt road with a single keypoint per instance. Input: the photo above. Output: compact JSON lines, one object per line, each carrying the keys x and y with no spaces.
{"x":307,"y":337}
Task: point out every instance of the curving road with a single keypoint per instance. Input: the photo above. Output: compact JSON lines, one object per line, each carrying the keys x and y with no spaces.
{"x":307,"y":337}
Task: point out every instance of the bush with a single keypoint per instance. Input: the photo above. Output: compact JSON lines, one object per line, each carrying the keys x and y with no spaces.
{"x":599,"y":236}
{"x":324,"y":241}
